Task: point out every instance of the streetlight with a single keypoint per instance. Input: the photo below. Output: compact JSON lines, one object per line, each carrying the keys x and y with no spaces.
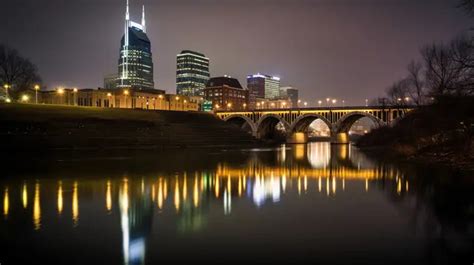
{"x":217,"y":106}
{"x":284,"y":104}
{"x":327,"y":102}
{"x":319,"y":103}
{"x":258,"y":104}
{"x":36,"y":87}
{"x":366,"y":102}
{"x":74,"y":90}
{"x":229,"y":105}
{"x":299,"y":101}
{"x":6,"y":86}
{"x":343,"y":103}
{"x":305,"y":103}
{"x":60,"y":92}
{"x":244,"y":105}
{"x":334,"y":101}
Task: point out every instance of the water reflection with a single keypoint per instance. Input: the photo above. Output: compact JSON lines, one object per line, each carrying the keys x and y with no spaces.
{"x":265,"y":179}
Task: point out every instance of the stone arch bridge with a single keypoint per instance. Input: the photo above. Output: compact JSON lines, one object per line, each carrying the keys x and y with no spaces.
{"x":295,"y":122}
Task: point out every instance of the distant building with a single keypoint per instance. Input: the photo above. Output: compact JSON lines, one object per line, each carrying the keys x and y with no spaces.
{"x":135,"y":65}
{"x":110,"y":81}
{"x":192,"y":73}
{"x":148,"y":99}
{"x":264,"y":86}
{"x":226,"y":93}
{"x":289,"y":93}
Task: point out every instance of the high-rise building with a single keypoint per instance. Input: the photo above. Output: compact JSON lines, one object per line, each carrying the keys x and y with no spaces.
{"x":263,"y":86}
{"x":289,"y":93}
{"x":135,"y":69}
{"x":192,"y":73}
{"x":226,"y":93}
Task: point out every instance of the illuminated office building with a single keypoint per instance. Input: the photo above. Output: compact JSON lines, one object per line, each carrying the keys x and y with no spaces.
{"x":135,"y":68}
{"x":264,"y":86}
{"x":192,"y":73}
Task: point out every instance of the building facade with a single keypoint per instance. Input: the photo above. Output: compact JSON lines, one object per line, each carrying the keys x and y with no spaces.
{"x":264,"y":86}
{"x":192,"y":73}
{"x":135,"y":65}
{"x":226,"y":93}
{"x":151,"y":99}
{"x":289,"y":93}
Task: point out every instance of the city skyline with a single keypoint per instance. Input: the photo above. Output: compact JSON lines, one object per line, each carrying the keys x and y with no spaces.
{"x":372,"y":36}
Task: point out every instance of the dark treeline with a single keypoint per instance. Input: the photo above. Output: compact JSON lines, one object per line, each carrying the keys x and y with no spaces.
{"x":17,"y":74}
{"x":444,"y":70}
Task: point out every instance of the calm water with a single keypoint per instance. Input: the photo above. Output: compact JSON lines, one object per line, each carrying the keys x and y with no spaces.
{"x":314,"y":203}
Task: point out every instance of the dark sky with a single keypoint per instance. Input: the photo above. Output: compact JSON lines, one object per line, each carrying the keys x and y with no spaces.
{"x":348,"y":49}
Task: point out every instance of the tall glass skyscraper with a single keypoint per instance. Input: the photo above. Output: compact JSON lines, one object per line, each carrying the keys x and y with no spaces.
{"x":192,"y":73}
{"x":264,"y":86}
{"x":135,"y":63}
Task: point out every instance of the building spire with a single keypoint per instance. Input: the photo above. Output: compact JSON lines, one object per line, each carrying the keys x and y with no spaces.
{"x":127,"y":15}
{"x":143,"y":18}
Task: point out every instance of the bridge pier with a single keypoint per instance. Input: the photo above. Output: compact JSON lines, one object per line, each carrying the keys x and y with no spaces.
{"x":340,"y":138}
{"x":297,"y":138}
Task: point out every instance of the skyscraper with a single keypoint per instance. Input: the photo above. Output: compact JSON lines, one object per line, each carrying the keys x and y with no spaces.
{"x":192,"y":73}
{"x":135,"y":63}
{"x":264,"y":86}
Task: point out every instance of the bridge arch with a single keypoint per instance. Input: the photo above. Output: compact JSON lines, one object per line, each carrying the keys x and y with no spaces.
{"x":345,"y":123}
{"x":266,"y":126}
{"x":302,"y":122}
{"x":243,"y":122}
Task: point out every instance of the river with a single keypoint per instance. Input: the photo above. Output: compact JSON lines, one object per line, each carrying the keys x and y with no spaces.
{"x":315,"y":203}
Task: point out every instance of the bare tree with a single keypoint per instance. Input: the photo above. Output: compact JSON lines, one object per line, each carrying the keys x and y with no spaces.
{"x":398,"y":92}
{"x":467,"y":6}
{"x":16,"y":71}
{"x":449,"y":68}
{"x":415,"y":83}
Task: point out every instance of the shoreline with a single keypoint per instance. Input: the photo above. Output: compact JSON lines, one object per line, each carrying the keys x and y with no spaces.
{"x":422,"y":158}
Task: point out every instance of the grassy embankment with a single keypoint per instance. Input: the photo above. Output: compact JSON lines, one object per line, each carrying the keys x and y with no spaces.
{"x":439,"y":133}
{"x":47,"y":127}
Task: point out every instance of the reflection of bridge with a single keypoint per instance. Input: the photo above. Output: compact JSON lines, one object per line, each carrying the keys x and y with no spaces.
{"x":262,"y":123}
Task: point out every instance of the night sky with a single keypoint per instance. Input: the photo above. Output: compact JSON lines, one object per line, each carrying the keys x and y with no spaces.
{"x":348,"y":49}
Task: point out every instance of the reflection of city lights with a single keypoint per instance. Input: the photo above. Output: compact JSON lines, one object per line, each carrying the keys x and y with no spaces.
{"x":216,"y":187}
{"x":319,"y":184}
{"x":37,"y":208}
{"x":176,"y":195}
{"x":185,"y":188}
{"x":195,"y":193}
{"x":75,"y":204}
{"x":305,"y":183}
{"x":6,"y":203}
{"x":227,"y":202}
{"x":24,"y":196}
{"x":108,"y":197}
{"x":299,"y":186}
{"x":160,"y":194}
{"x":60,"y":197}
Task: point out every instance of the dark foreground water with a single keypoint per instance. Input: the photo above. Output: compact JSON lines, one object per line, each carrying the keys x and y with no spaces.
{"x":312,"y":203}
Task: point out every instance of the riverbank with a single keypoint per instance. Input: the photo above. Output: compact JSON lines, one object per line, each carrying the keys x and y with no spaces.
{"x":30,"y":127}
{"x":441,"y":133}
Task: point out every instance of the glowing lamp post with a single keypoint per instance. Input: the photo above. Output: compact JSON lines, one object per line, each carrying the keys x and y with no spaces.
{"x":74,"y":90}
{"x":36,"y":87}
{"x":6,"y":86}
{"x":319,"y":103}
{"x":60,"y":92}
